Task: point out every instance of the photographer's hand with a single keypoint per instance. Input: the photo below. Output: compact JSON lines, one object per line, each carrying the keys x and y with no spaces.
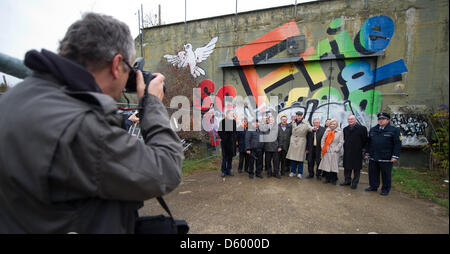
{"x":156,"y":85}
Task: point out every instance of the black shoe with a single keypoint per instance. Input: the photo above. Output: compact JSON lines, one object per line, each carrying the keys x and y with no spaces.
{"x":353,"y":187}
{"x":230,"y":174}
{"x":319,"y":178}
{"x":259,"y":176}
{"x":309,"y":177}
{"x":384,"y":193}
{"x":223,"y":175}
{"x":370,"y":189}
{"x":333,"y":182}
{"x":344,"y":184}
{"x":277,"y":176}
{"x":282,"y":173}
{"x":251,"y":176}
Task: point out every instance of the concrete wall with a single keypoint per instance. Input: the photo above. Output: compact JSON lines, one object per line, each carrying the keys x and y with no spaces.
{"x":360,"y":57}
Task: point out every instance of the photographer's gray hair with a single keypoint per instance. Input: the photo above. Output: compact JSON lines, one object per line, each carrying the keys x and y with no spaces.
{"x":95,"y":39}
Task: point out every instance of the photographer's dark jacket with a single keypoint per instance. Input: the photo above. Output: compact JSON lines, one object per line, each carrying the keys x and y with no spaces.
{"x":66,"y":165}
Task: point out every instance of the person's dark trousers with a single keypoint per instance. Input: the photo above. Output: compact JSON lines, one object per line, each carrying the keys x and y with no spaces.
{"x":259,"y":162}
{"x":311,"y":163}
{"x":311,"y":168}
{"x":288,"y":164}
{"x":271,"y":157}
{"x":385,"y":168}
{"x":282,"y":165}
{"x":331,"y":177}
{"x":348,"y":176}
{"x":243,"y":161}
{"x":226,"y":165}
{"x":255,"y":163}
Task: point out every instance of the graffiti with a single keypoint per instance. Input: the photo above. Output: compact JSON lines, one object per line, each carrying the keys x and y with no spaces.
{"x":412,"y":128}
{"x":336,"y":88}
{"x":212,"y":106}
{"x":192,"y":58}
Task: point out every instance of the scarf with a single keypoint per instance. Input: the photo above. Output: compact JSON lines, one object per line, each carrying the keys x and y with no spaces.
{"x":328,"y":140}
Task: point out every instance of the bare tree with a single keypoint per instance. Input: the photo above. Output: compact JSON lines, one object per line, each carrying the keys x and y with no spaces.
{"x":152,"y":18}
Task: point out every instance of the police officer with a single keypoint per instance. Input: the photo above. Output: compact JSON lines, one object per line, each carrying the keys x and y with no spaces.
{"x":383,"y":149}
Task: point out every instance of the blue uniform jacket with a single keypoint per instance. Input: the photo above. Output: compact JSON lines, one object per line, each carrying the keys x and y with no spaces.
{"x":383,"y":145}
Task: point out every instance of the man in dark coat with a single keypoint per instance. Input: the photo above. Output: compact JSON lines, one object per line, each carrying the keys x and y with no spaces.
{"x":227,"y":134}
{"x":314,"y":149}
{"x":243,"y":156}
{"x":284,"y":139}
{"x":355,"y":138}
{"x":271,"y":147}
{"x":254,"y":148}
{"x":383,"y":149}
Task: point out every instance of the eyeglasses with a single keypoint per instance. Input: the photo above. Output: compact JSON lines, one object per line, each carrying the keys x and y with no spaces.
{"x":129,"y":66}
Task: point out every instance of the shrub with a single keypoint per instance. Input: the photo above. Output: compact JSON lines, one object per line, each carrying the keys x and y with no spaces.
{"x":439,"y":140}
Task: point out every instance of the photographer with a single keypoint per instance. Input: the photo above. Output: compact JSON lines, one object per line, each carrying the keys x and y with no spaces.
{"x":66,"y":165}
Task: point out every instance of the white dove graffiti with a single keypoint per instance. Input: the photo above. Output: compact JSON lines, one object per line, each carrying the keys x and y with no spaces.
{"x":192,"y":58}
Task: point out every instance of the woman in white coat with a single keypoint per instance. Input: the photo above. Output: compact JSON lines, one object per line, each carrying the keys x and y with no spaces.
{"x":332,"y":143}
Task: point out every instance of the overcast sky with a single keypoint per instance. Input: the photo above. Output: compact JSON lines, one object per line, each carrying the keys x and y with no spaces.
{"x":37,"y":24}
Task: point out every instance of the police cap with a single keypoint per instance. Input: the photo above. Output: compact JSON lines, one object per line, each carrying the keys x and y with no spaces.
{"x":383,"y":115}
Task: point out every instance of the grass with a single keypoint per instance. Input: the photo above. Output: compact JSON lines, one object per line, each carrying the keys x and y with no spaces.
{"x":191,"y":165}
{"x":421,"y":183}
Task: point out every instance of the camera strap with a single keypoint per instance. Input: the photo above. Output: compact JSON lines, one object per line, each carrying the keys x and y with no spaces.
{"x":143,"y":103}
{"x":164,"y":205}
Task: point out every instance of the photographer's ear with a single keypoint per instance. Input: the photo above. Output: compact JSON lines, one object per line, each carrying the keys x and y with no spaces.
{"x":116,"y":65}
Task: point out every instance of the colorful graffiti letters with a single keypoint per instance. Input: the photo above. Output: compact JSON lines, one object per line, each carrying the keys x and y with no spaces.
{"x":376,"y":33}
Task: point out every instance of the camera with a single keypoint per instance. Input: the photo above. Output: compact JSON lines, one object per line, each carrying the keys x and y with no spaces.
{"x":131,"y":82}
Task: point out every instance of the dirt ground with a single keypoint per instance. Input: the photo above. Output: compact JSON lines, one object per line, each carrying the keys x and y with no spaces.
{"x":239,"y":205}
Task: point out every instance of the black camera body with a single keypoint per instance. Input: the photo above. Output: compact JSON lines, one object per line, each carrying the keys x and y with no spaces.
{"x":131,"y":83}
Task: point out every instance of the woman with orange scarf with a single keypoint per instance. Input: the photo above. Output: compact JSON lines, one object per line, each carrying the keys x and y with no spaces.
{"x":332,"y":142}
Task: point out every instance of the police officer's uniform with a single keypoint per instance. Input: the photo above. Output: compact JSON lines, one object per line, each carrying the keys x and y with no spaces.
{"x":383,"y":145}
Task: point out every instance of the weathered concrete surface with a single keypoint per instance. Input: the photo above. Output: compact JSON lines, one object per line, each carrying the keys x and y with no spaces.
{"x":213,"y":205}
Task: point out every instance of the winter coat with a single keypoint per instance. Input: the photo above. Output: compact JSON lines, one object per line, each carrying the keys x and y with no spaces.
{"x":330,"y":161}
{"x":297,"y":145}
{"x":227,"y":134}
{"x":310,"y":144}
{"x":354,"y":141}
{"x":253,"y":140}
{"x":270,"y":135}
{"x":383,"y":145}
{"x":284,"y":137}
{"x":240,"y":135}
{"x":66,"y":165}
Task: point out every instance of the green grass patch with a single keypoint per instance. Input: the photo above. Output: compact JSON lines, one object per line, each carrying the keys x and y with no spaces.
{"x":421,"y":183}
{"x":192,"y":165}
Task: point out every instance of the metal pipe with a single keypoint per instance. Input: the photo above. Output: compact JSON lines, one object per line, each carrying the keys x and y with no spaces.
{"x":403,"y":94}
{"x":142,"y":30}
{"x":13,"y":66}
{"x":295,"y":9}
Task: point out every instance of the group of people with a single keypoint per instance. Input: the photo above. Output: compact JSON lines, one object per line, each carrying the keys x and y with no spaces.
{"x":285,"y":148}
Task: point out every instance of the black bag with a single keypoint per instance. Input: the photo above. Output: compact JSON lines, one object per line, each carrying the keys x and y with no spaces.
{"x":161,"y":224}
